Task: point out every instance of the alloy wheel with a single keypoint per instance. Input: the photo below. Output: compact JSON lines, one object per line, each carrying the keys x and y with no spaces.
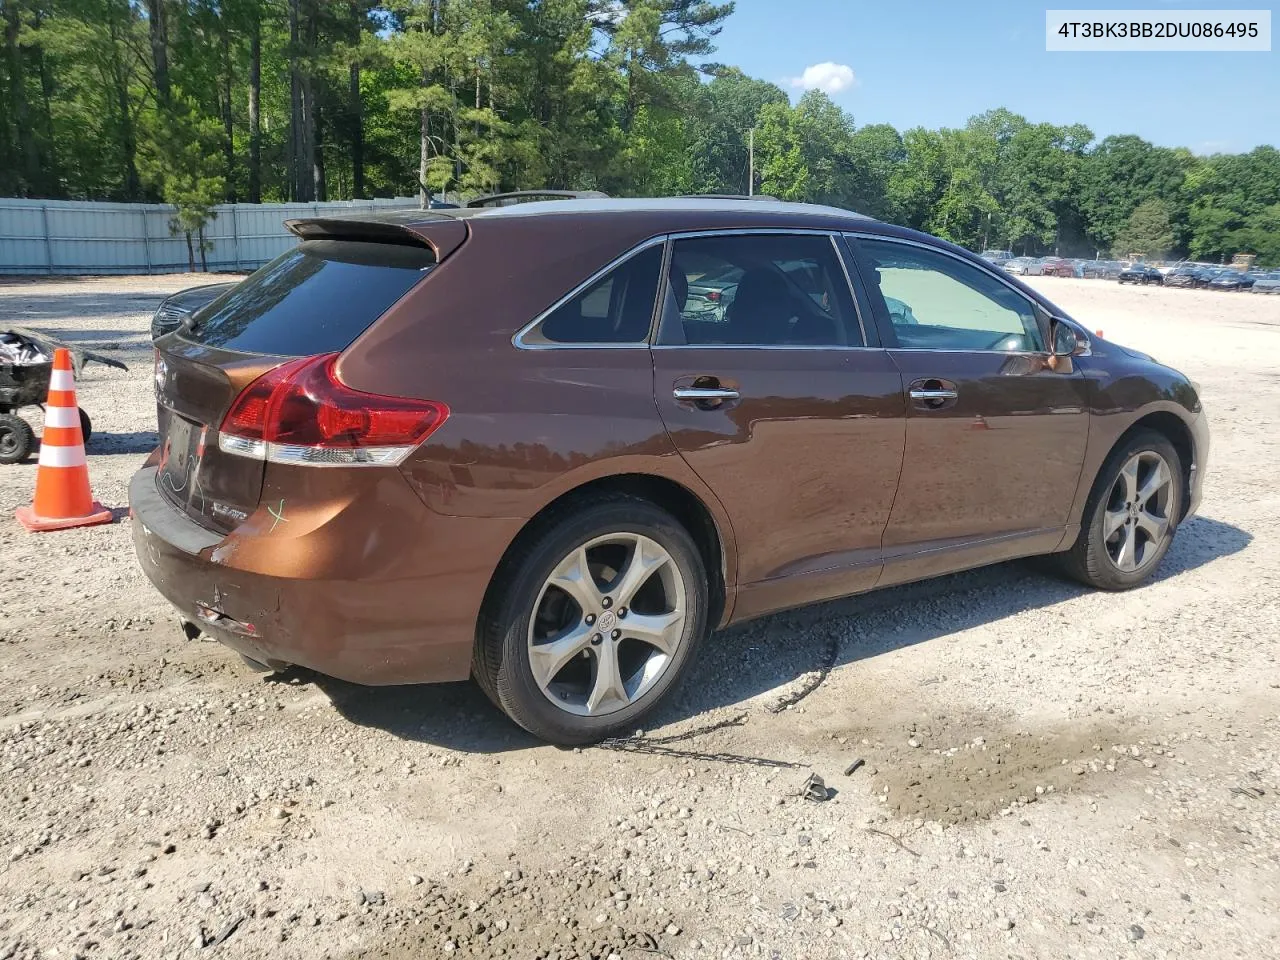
{"x":606,"y":624}
{"x":1138,"y":517}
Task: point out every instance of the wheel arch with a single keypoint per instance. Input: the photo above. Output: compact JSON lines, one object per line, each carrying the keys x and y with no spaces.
{"x":677,"y":499}
{"x":1174,"y":429}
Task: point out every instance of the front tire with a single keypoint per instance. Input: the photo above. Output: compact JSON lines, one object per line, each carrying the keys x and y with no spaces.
{"x":1131,"y":515}
{"x":593,"y":620}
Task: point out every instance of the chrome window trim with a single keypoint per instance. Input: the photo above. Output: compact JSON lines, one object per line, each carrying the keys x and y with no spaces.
{"x":766,"y":346}
{"x":995,"y":353}
{"x":832,"y":235}
{"x":519,"y":338}
{"x":1035,"y":306}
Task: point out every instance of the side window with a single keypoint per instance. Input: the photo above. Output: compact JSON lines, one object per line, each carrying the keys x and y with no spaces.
{"x":936,"y":301}
{"x":617,"y":308}
{"x":760,"y":290}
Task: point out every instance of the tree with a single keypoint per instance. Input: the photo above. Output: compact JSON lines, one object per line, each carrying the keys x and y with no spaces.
{"x":875,"y":152}
{"x":1149,"y":231}
{"x":780,"y":154}
{"x":917,"y":183}
{"x":310,"y":99}
{"x":805,"y":152}
{"x":1260,"y":236}
{"x":731,"y":107}
{"x":1121,"y":173}
{"x":825,"y":135}
{"x":652,"y":39}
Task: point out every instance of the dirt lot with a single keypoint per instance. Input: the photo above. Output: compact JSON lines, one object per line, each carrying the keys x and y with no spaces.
{"x":1048,"y":772}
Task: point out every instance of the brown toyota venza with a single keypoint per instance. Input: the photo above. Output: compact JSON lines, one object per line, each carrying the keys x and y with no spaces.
{"x":552,"y":445}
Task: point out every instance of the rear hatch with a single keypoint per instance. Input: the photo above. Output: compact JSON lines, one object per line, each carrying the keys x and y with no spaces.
{"x":314,"y":299}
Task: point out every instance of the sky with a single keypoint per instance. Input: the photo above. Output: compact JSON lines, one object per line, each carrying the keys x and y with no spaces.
{"x":934,"y":64}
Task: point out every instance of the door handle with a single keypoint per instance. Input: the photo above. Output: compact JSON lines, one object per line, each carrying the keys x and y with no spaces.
{"x":917,"y":394}
{"x":933,"y":393}
{"x":704,"y":393}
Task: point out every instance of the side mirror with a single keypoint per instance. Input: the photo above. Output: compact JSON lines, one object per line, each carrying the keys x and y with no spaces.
{"x":1066,"y":343}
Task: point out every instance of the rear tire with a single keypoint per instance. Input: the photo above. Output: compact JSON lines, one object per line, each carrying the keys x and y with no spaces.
{"x":17,"y":439}
{"x":1131,"y":515}
{"x":577,"y":663}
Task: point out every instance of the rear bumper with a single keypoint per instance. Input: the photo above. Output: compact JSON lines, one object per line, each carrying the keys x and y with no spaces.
{"x":374,"y":588}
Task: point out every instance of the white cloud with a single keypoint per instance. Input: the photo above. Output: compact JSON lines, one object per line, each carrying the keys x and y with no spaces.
{"x":828,"y":77}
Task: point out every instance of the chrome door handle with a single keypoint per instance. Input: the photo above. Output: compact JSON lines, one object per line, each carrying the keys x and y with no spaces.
{"x":934,"y":395}
{"x":704,"y":393}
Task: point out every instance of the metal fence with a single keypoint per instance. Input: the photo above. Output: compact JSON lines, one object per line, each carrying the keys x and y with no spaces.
{"x":87,"y":237}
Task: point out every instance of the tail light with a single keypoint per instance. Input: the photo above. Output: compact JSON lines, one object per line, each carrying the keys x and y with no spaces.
{"x":713,"y":295}
{"x":300,"y":412}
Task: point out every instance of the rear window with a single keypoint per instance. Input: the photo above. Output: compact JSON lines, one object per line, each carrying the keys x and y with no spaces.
{"x":317,"y":298}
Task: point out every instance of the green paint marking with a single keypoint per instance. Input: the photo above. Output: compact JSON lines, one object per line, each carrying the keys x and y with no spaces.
{"x":278,"y":513}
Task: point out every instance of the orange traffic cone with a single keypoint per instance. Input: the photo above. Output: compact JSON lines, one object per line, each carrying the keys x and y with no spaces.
{"x":62,"y":478}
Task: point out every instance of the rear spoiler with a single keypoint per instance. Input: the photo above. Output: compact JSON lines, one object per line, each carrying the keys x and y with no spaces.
{"x":440,"y":233}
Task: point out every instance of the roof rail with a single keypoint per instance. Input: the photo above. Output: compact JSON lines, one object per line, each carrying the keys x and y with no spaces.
{"x":726,"y":196}
{"x":524,"y":196}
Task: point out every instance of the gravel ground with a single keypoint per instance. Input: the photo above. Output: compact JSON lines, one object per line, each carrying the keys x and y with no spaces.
{"x":1046,"y":771}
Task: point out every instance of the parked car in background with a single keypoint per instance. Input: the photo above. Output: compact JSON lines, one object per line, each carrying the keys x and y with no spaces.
{"x":997,"y":257}
{"x":1142,"y":273}
{"x":1101,"y":269}
{"x":1183,"y":276}
{"x":177,"y":307}
{"x":1023,"y":267}
{"x":1267,"y":283}
{"x":1209,"y":274}
{"x":711,"y":294}
{"x":563,"y":495}
{"x":1230,"y":280}
{"x":1057,"y":267}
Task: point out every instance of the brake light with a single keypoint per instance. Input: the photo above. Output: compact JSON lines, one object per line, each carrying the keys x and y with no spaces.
{"x":300,"y":412}
{"x":713,"y":295}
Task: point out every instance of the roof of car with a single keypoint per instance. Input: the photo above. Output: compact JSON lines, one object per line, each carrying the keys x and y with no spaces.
{"x":605,"y":206}
{"x":630,"y":216}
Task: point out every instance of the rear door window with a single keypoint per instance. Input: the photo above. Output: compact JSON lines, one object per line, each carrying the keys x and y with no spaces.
{"x":316,"y":298}
{"x":765,"y":290}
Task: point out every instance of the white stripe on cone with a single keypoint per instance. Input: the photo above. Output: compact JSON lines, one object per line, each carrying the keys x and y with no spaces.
{"x":62,"y":380}
{"x":51,"y":456}
{"x":61,"y":417}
